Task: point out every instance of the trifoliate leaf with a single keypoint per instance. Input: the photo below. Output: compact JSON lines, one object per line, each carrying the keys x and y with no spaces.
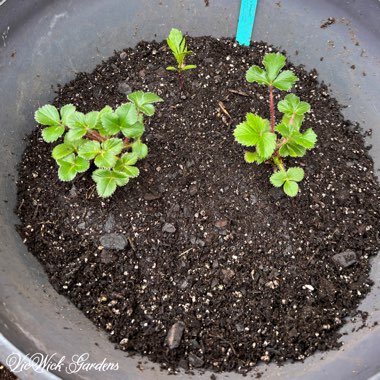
{"x":307,"y":139}
{"x":47,"y":115}
{"x":134,"y":131}
{"x":77,"y":125}
{"x":273,"y":63}
{"x":140,"y":149}
{"x":143,"y":101}
{"x":70,"y":166}
{"x":292,"y":105}
{"x":89,"y":150}
{"x":292,"y":149}
{"x":291,"y":188}
{"x":256,"y":74}
{"x":107,"y":181}
{"x":127,"y":114}
{"x":249,"y":132}
{"x":189,"y":67}
{"x":295,"y":174}
{"x":114,"y":146}
{"x":62,"y":150}
{"x":285,"y":80}
{"x":66,"y":112}
{"x":51,"y":134}
{"x":277,"y":179}
{"x":125,"y":165}
{"x":111,"y":123}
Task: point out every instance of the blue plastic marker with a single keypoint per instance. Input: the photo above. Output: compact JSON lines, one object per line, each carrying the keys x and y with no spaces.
{"x":246,"y":20}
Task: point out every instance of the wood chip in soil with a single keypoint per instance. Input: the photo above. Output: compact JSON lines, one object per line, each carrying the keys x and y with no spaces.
{"x":243,"y":273}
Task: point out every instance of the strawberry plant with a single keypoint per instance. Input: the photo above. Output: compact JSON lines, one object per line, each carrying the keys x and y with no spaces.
{"x":274,"y":143}
{"x":177,"y":44}
{"x":111,"y":139}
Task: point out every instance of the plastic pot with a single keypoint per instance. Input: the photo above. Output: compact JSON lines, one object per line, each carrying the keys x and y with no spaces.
{"x":45,"y":42}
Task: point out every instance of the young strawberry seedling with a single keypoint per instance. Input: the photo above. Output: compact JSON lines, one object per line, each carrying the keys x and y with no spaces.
{"x":275,"y":142}
{"x":177,"y":44}
{"x":111,"y":139}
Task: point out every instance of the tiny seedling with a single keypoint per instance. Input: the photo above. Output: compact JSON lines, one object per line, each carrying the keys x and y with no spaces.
{"x":275,"y":142}
{"x":177,"y":44}
{"x":111,"y":139}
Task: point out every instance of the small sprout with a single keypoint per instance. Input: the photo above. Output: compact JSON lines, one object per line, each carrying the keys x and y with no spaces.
{"x":177,"y":44}
{"x":274,"y":142}
{"x":111,"y":139}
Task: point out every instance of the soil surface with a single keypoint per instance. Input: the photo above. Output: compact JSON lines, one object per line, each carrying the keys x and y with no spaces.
{"x":5,"y":374}
{"x":200,"y":262}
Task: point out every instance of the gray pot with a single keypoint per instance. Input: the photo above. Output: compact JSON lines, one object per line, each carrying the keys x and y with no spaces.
{"x":45,"y":42}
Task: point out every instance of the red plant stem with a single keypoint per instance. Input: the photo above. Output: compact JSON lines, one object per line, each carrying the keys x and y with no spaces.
{"x":93,"y":135}
{"x":271,"y":104}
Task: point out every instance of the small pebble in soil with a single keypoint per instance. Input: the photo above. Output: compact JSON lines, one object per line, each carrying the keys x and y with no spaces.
{"x":173,"y":339}
{"x":114,"y":241}
{"x":345,"y":259}
{"x":169,"y":228}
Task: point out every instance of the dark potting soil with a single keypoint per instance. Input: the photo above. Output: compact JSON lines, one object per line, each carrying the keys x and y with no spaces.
{"x":200,"y":246}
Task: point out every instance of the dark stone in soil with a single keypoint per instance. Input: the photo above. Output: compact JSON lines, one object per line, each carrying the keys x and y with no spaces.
{"x":345,"y":259}
{"x":240,"y":262}
{"x":195,"y":361}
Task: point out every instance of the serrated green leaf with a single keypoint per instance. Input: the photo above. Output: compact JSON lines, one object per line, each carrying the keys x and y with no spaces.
{"x":62,"y":150}
{"x":89,"y":150}
{"x":91,"y":119}
{"x":111,"y":123}
{"x":249,"y":132}
{"x":291,"y":188}
{"x":284,"y":130}
{"x":273,"y":63}
{"x":256,"y":74}
{"x":296,"y":120}
{"x":292,"y":149}
{"x":292,"y":105}
{"x":70,"y":166}
{"x":285,"y":80}
{"x":125,"y":165}
{"x":134,"y":131}
{"x":107,"y":181}
{"x":51,"y":134}
{"x":127,"y":114}
{"x":307,"y":139}
{"x":295,"y":174}
{"x":114,"y":146}
{"x":75,"y":144}
{"x":143,"y":101}
{"x":77,"y":126}
{"x":266,"y":145}
{"x":140,"y":149}
{"x":66,"y":112}
{"x":105,"y":160}
{"x":147,"y":109}
{"x":277,"y":179}
{"x":250,"y":157}
{"x":47,"y":115}
{"x":99,"y":126}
